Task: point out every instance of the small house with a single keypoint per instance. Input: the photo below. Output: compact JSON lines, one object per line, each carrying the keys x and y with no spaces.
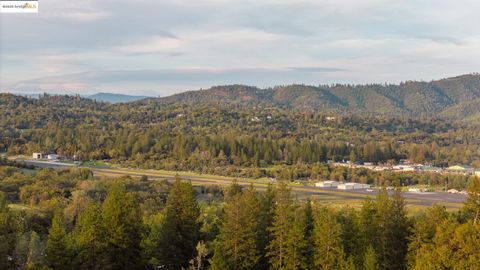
{"x":37,"y":155}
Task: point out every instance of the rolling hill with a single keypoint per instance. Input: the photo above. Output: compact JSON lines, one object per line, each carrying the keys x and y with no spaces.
{"x":445,"y":97}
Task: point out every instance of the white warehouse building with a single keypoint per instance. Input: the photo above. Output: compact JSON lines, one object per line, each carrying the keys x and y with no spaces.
{"x":353,"y":186}
{"x":53,"y":157}
{"x":327,"y":184}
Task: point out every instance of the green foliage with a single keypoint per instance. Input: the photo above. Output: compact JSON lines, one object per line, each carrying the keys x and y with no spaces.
{"x":472,"y":205}
{"x":238,"y":237}
{"x":285,"y":125}
{"x":58,"y":253}
{"x":123,"y":229}
{"x":35,"y":258}
{"x":90,"y":239}
{"x":7,"y":233}
{"x":267,"y":207}
{"x":113,"y":224}
{"x":370,"y":259}
{"x":277,"y":248}
{"x":175,"y":239}
{"x":296,"y":242}
{"x":328,"y":252}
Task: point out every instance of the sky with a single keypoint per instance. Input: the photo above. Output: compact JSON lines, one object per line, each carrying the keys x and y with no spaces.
{"x":161,"y":47}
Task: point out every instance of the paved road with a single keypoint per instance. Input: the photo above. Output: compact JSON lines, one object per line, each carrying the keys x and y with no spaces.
{"x":422,"y":199}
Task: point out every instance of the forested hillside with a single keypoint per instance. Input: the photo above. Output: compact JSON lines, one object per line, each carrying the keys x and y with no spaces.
{"x":235,"y":131}
{"x":69,"y":219}
{"x":408,"y":98}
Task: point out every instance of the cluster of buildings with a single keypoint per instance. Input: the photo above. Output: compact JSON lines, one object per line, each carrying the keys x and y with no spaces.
{"x":51,"y":157}
{"x":338,"y":185}
{"x":413,"y":167}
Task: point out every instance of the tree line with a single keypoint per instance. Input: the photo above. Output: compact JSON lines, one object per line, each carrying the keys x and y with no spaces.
{"x":101,"y":223}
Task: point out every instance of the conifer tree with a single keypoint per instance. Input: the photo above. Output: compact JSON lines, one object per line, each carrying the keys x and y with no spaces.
{"x":90,"y":238}
{"x":238,"y":234}
{"x":6,"y":233}
{"x":370,"y":259}
{"x":472,"y":205}
{"x":423,"y":231}
{"x":397,"y":232}
{"x":309,"y":226}
{"x":368,"y":227}
{"x":179,"y":232}
{"x":467,"y":242}
{"x":328,"y":253}
{"x":57,"y":251}
{"x":265,"y":221}
{"x":123,"y":229}
{"x":35,"y":256}
{"x":296,"y":242}
{"x":277,"y":248}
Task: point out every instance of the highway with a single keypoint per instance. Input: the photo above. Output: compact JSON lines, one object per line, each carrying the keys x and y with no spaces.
{"x":420,"y":199}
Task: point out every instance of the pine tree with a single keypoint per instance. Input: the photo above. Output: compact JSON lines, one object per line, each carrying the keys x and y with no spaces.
{"x":179,"y":232}
{"x":58,"y":255}
{"x":7,"y":234}
{"x":123,"y":229}
{"x":280,"y":227}
{"x":370,"y":259}
{"x":90,"y":239}
{"x":327,"y":239}
{"x":383,"y":206}
{"x":444,"y":246}
{"x":238,"y":234}
{"x":393,"y":230}
{"x":472,"y":205}
{"x":296,"y":242}
{"x":347,"y":264}
{"x":467,"y":242}
{"x":265,"y":221}
{"x":368,"y":227}
{"x":397,"y":232}
{"x":309,"y":226}
{"x":35,"y":257}
{"x":348,"y":219}
{"x":423,"y":232}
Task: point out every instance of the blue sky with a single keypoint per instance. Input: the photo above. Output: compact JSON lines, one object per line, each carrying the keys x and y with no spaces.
{"x":166,"y":46}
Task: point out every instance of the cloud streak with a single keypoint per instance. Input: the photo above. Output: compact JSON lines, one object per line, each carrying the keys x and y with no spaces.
{"x":186,"y":78}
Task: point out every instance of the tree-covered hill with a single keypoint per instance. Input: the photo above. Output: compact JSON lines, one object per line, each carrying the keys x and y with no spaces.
{"x":410,"y":98}
{"x":246,"y":131}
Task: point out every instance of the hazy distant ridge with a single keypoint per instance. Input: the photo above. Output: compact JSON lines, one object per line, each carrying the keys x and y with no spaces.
{"x":115,"y":98}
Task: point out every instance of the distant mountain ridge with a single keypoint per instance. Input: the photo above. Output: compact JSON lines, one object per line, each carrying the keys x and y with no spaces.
{"x":115,"y":98}
{"x":445,"y":97}
{"x":101,"y":96}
